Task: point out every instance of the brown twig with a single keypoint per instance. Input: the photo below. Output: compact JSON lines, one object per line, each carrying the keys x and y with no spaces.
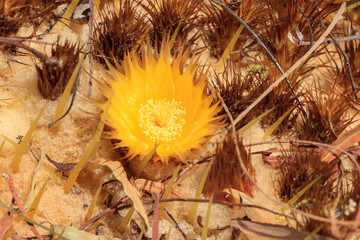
{"x":20,"y":206}
{"x":52,"y":25}
{"x":4,"y":227}
{"x":176,"y":225}
{"x":47,"y":60}
{"x":338,"y":40}
{"x":155,"y":226}
{"x":324,"y":146}
{"x":307,"y":21}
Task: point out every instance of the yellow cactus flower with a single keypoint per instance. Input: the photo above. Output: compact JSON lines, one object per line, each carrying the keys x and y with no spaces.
{"x":156,"y":100}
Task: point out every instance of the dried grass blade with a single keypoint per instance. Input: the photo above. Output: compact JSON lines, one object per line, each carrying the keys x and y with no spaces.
{"x":31,"y":195}
{"x":252,"y":122}
{"x":304,"y":190}
{"x":75,"y":173}
{"x":168,"y":190}
{"x":2,"y":145}
{"x":198,"y":192}
{"x":276,"y":124}
{"x":90,"y":211}
{"x":144,"y":161}
{"x":353,"y":6}
{"x":168,"y":235}
{"x":17,"y":100}
{"x":255,"y":214}
{"x":34,"y":205}
{"x":318,"y":229}
{"x":207,"y":219}
{"x":15,"y":145}
{"x":25,"y":141}
{"x":70,"y":11}
{"x":140,"y":237}
{"x":126,"y":220}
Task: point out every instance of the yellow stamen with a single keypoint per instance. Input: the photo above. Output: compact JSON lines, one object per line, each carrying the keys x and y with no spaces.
{"x":162,"y":120}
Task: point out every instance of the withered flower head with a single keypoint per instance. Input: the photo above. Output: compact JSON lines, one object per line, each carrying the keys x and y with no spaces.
{"x":226,"y":171}
{"x":52,"y":80}
{"x":119,"y":31}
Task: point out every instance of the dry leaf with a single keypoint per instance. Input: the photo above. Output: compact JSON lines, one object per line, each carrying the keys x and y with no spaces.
{"x":64,"y":167}
{"x":255,"y":214}
{"x":256,"y":230}
{"x":130,"y":191}
{"x":343,"y":142}
{"x":72,"y":233}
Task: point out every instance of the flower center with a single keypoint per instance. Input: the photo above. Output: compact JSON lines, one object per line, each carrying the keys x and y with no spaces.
{"x":162,"y":120}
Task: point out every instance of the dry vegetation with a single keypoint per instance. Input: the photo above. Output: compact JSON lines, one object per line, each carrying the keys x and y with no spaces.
{"x":287,"y":169}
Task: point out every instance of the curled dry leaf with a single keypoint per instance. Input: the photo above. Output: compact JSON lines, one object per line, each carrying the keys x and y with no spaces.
{"x":255,"y":214}
{"x":130,"y":191}
{"x":273,"y":161}
{"x":64,"y":167}
{"x":256,"y":230}
{"x":343,"y":142}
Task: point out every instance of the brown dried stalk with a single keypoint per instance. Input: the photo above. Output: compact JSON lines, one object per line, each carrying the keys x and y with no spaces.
{"x":155,"y":226}
{"x":18,"y":202}
{"x":47,"y":60}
